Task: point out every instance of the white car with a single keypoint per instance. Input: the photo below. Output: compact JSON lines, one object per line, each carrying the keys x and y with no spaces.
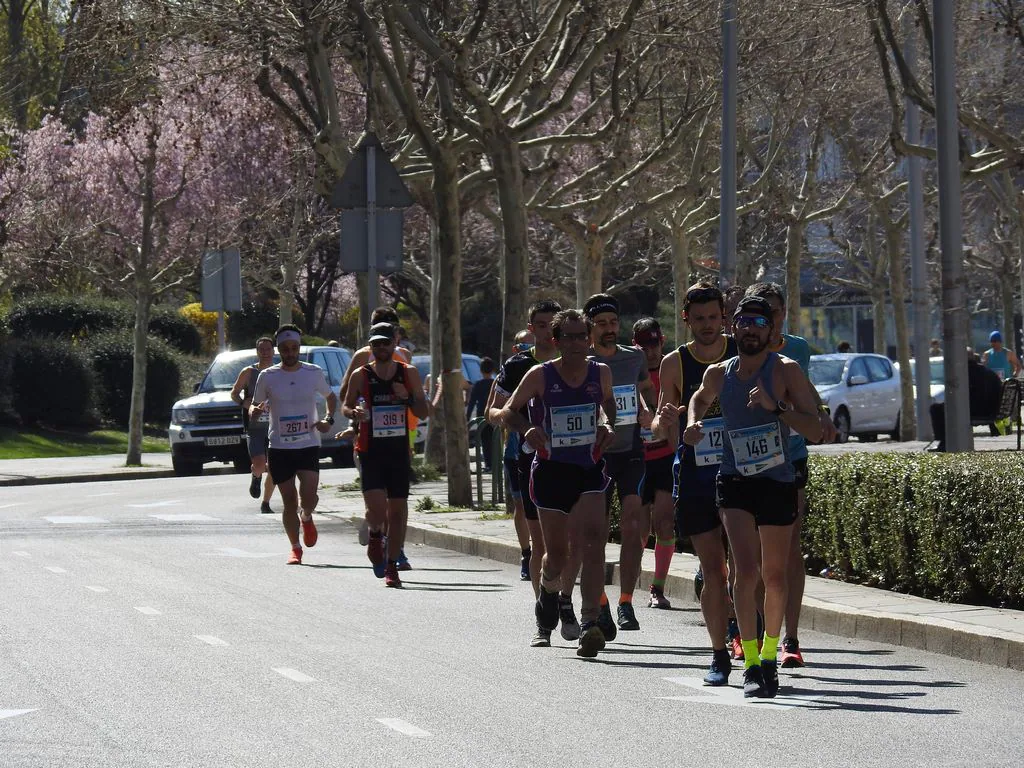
{"x":936,"y":377}
{"x":862,"y":391}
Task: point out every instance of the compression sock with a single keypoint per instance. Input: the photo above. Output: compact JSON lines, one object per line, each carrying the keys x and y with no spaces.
{"x":625,"y":597}
{"x":770,"y":648}
{"x":604,"y":599}
{"x":663,"y":551}
{"x":750,"y":657}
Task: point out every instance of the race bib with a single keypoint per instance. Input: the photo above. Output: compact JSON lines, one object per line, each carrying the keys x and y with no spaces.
{"x":757,"y":448}
{"x":389,"y":421}
{"x":573,"y":425}
{"x":708,"y":452}
{"x":294,"y":429}
{"x":264,"y":418}
{"x":647,"y":435}
{"x":625,"y":404}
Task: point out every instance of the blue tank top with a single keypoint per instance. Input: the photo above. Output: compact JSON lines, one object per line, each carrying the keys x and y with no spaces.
{"x":570,"y":416}
{"x":756,"y":442}
{"x":999,"y":362}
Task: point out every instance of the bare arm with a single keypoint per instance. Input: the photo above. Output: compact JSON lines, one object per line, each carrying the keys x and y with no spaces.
{"x":804,"y":416}
{"x":530,"y":387}
{"x":419,"y":400}
{"x":710,"y":388}
{"x":349,"y":407}
{"x":358,"y":361}
{"x":611,"y":413}
{"x":236,"y":390}
{"x":666,"y":417}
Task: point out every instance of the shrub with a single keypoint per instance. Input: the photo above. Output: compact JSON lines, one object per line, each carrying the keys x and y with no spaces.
{"x":205,"y":324}
{"x":7,"y":414}
{"x":256,"y":319}
{"x":177,"y":330}
{"x":112,"y":361}
{"x":50,"y":383}
{"x":943,"y":526}
{"x":67,"y":316}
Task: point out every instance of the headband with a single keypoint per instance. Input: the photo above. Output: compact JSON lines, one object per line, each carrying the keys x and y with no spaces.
{"x":288,"y":336}
{"x":603,"y":306}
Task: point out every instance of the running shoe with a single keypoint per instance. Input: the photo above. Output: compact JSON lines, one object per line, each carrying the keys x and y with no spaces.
{"x":770,"y":675}
{"x":308,"y":532}
{"x":375,"y":551}
{"x":627,"y":618}
{"x":606,"y":623}
{"x":524,"y":566}
{"x":753,"y":683}
{"x":658,"y":599}
{"x":254,"y":487}
{"x":295,"y":558}
{"x":591,"y":640}
{"x":791,"y":656}
{"x":737,"y":648}
{"x":542,"y":639}
{"x":403,"y":561}
{"x":567,"y":617}
{"x":718,"y":674}
{"x":265,"y":508}
{"x":364,"y":533}
{"x":698,"y":583}
{"x":391,"y":576}
{"x":546,"y":609}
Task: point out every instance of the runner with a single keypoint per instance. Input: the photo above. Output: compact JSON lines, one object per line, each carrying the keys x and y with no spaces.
{"x":658,"y":458}
{"x":795,"y":348}
{"x":512,"y":372}
{"x":257,"y":431}
{"x":288,"y":392}
{"x":524,"y":340}
{"x":624,"y":458}
{"x":1000,"y":359}
{"x":379,"y":394}
{"x":762,"y":395}
{"x":696,"y":470}
{"x":567,"y":480}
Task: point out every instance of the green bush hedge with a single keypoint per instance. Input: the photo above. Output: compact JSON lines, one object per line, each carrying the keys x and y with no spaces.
{"x":50,"y":382}
{"x":112,"y":360}
{"x":176,"y":330}
{"x":942,"y":526}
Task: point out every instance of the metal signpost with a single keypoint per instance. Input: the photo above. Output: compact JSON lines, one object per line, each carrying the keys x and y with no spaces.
{"x":222,"y":286}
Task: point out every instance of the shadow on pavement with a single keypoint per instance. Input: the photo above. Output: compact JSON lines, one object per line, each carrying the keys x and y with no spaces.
{"x":856,"y":681}
{"x":862,"y":701}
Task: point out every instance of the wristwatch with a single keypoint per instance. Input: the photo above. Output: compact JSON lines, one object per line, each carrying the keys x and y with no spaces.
{"x":781,"y":406}
{"x":329,"y":419}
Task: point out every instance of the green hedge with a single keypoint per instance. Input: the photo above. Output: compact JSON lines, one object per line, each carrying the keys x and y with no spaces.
{"x":112,"y":360}
{"x":943,"y":526}
{"x":50,"y":383}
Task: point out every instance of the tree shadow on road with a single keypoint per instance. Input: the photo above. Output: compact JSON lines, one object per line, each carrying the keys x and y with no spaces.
{"x":453,"y":586}
{"x":875,"y":667}
{"x":861,"y":681}
{"x":864,"y":701}
{"x":458,"y":570}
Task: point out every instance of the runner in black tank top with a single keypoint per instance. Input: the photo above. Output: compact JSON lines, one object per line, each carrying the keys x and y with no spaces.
{"x":257,"y":430}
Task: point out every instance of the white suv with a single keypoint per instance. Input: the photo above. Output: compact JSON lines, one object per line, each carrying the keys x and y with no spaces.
{"x":208,"y":426}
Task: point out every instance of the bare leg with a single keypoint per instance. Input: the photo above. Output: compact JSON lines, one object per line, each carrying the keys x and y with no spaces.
{"x":796,"y":577}
{"x":714,"y":599}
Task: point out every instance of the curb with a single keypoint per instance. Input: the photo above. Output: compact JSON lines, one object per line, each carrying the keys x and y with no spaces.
{"x":986,"y":646}
{"x":99,"y":477}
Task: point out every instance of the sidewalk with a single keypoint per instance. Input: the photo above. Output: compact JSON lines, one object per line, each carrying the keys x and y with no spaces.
{"x":988,"y":635}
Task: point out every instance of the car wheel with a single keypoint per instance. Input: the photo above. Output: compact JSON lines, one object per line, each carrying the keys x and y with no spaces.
{"x":841,"y":420}
{"x":895,"y":434}
{"x":185,"y":468}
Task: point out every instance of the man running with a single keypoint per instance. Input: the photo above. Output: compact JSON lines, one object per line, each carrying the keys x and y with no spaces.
{"x":795,"y":348}
{"x":378,"y":396}
{"x":512,"y":372}
{"x":1000,"y":359}
{"x":524,"y":340}
{"x":762,"y":396}
{"x":567,"y":480}
{"x":696,"y":468}
{"x":257,"y":431}
{"x":288,"y":392}
{"x":624,"y":458}
{"x":658,"y":459}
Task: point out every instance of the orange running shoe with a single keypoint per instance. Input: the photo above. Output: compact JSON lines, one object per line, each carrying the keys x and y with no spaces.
{"x":295,"y":558}
{"x":308,"y":532}
{"x":791,"y":656}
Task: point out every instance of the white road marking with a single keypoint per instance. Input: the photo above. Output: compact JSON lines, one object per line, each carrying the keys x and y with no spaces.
{"x":8,"y":506}
{"x":55,"y":569}
{"x":74,"y":519}
{"x":403,"y":727}
{"x":233,"y":552}
{"x":211,"y":640}
{"x":145,"y":609}
{"x":98,"y":589}
{"x":186,"y":518}
{"x":21,"y":553}
{"x":153,"y":504}
{"x":99,"y":495}
{"x":4,"y":713}
{"x":294,"y":674}
{"x":731,"y":696}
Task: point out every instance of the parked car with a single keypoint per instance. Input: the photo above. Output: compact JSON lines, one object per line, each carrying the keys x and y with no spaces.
{"x":862,"y":391}
{"x":208,"y":426}
{"x":936,"y":377}
{"x":471,"y":373}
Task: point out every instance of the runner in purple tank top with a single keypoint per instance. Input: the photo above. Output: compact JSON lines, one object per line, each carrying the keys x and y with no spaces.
{"x":567,"y":481}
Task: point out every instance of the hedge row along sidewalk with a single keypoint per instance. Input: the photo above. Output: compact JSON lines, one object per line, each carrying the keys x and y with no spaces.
{"x":948,"y":527}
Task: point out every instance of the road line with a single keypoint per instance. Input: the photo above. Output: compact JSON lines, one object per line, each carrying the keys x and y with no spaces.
{"x":403,"y":727}
{"x":55,"y":569}
{"x":98,"y":589}
{"x":21,"y":553}
{"x":187,"y":518}
{"x":4,"y":713}
{"x":74,"y":519}
{"x":99,"y":495}
{"x":8,"y":506}
{"x":294,"y":674}
{"x":733,"y":697}
{"x":234,"y":552}
{"x":145,"y":609}
{"x":211,"y":640}
{"x":151,"y":505}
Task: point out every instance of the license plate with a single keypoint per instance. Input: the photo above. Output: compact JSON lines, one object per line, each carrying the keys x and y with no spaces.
{"x":224,"y":440}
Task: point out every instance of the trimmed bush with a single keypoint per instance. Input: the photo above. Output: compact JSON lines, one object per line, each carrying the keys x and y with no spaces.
{"x":942,"y":526}
{"x":50,"y":383}
{"x":205,"y":324}
{"x":67,"y":316}
{"x":256,"y":319}
{"x":112,"y":360}
{"x":7,"y":414}
{"x":176,"y":330}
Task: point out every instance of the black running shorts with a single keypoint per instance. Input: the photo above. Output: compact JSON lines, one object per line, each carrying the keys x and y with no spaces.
{"x":658,"y":477}
{"x":769,"y":501}
{"x":558,"y":485}
{"x":525,"y":465}
{"x":696,"y":515}
{"x":387,"y":472}
{"x":626,"y":472}
{"x":285,"y":462}
{"x":512,"y":478}
{"x":800,"y":471}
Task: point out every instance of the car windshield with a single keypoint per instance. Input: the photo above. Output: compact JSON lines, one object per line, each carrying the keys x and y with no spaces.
{"x":938,"y":371}
{"x":222,"y":373}
{"x":825,"y":373}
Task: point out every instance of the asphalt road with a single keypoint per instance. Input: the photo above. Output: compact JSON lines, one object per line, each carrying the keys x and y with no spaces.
{"x":154,"y":623}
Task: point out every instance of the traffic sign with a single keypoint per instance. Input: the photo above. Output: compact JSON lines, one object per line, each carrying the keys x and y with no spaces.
{"x":222,"y":281}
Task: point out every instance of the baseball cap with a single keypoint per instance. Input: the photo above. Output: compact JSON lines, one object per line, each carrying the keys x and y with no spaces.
{"x":382,"y":332}
{"x":648,"y":337}
{"x":753,"y":305}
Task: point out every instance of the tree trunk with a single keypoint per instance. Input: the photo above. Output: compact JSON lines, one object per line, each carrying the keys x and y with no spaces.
{"x":446,"y":196}
{"x":681,"y":268}
{"x":434,"y":449}
{"x":898,"y":291}
{"x":1006,"y":281}
{"x":794,"y":254}
{"x":508,"y":172}
{"x":286,"y":296}
{"x":878,"y":316}
{"x":16,"y":62}
{"x":589,"y":264}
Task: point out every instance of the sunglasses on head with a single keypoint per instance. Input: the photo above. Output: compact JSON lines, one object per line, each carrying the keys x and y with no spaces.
{"x":751,"y":321}
{"x":521,"y":346}
{"x":581,"y":336}
{"x":381,"y":343}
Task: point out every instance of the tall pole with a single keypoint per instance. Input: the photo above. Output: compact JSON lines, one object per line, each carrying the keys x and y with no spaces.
{"x":918,"y":265}
{"x":727,"y":213}
{"x":372,"y":281}
{"x":954,"y":313}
